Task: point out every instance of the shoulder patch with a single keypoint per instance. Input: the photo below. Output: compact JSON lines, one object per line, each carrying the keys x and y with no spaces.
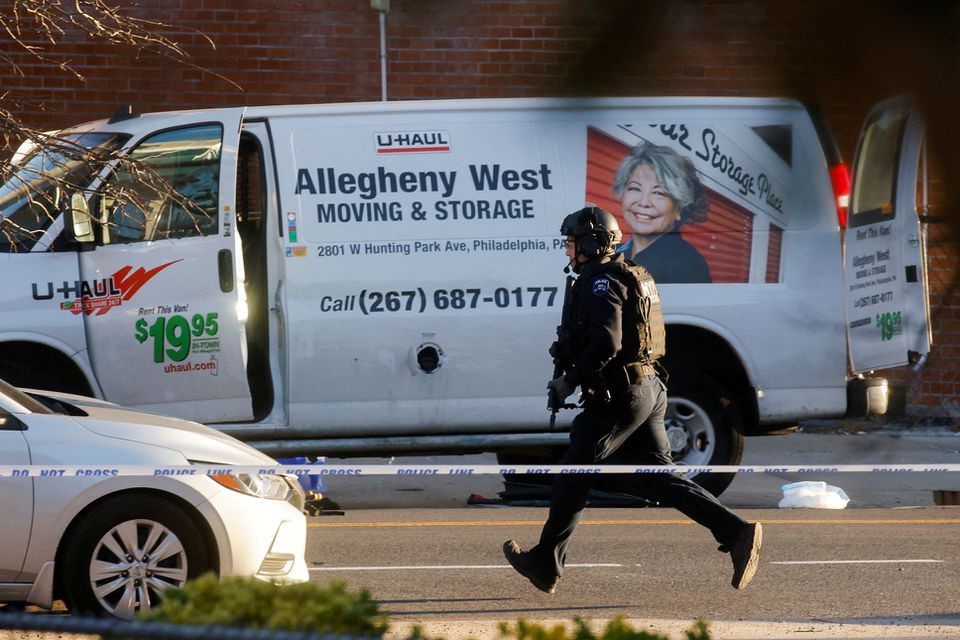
{"x":601,"y":286}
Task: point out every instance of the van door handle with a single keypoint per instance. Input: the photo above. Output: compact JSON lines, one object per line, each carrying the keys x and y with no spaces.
{"x":225,"y":267}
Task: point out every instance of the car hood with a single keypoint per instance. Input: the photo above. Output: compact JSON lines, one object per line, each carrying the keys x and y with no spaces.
{"x":195,"y":441}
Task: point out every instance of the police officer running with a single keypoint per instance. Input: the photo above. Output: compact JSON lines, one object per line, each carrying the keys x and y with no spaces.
{"x":610,"y":341}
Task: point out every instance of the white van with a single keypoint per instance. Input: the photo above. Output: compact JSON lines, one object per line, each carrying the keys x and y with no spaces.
{"x":386,"y":278}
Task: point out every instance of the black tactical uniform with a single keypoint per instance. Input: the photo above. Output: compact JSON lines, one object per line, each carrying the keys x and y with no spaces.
{"x":624,"y":402}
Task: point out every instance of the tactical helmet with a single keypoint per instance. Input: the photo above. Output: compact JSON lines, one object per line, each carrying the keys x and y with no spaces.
{"x":595,"y":230}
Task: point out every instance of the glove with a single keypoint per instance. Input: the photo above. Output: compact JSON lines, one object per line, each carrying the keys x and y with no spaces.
{"x":562,"y":387}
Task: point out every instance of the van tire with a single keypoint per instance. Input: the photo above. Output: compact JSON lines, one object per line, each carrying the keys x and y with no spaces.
{"x":704,"y":426}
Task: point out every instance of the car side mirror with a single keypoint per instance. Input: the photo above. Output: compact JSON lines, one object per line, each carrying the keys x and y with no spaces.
{"x":78,"y":220}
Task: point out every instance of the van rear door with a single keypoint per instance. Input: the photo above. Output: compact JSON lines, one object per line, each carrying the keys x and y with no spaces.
{"x":884,"y":244}
{"x":164,"y":304}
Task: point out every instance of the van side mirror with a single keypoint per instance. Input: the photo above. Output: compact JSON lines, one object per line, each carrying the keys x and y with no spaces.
{"x":78,"y":218}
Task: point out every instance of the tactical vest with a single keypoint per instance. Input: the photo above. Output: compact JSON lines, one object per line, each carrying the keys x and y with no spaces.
{"x":641,"y":313}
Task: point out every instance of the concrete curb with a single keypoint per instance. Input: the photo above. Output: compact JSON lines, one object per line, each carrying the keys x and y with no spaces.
{"x":919,"y":427}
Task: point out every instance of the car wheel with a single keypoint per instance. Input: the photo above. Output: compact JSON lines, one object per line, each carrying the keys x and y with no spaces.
{"x":126,"y":552}
{"x":703,"y":426}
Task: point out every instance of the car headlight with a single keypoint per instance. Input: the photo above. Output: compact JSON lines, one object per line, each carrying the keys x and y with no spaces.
{"x":270,"y":487}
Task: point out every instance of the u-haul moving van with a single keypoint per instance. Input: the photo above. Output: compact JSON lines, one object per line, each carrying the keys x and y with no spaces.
{"x":386,"y":278}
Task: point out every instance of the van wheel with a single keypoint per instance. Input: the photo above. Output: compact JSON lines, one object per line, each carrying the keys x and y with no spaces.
{"x":703,"y":426}
{"x":126,"y":552}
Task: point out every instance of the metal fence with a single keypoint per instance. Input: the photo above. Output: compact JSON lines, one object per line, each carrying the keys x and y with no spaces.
{"x":111,"y":627}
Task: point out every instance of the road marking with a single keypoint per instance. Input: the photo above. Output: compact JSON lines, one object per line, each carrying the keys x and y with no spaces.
{"x":431,"y":567}
{"x":869,"y":521}
{"x":538,"y":523}
{"x":595,"y":565}
{"x":914,"y":561}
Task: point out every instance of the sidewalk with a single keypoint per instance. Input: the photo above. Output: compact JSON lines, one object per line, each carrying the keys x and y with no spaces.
{"x":817,"y":444}
{"x":888,"y":629}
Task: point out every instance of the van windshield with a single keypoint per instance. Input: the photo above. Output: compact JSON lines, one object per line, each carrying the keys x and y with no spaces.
{"x":38,"y":186}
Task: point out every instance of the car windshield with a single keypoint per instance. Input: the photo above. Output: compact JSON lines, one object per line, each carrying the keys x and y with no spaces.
{"x":36,"y":189}
{"x":22,"y":399}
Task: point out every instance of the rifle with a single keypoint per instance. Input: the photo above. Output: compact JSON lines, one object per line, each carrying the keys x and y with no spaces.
{"x":559,"y":350}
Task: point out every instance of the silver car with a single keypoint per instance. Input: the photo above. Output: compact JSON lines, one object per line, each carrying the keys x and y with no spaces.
{"x":111,"y":544}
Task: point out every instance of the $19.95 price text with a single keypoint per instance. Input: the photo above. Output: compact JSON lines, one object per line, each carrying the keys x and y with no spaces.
{"x":173,"y":336}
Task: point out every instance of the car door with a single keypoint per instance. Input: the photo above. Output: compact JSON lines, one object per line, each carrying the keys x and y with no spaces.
{"x":887,"y":297}
{"x":163,"y":302}
{"x":16,"y":498}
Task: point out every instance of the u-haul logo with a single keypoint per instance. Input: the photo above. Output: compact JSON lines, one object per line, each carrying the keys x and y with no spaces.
{"x":98,"y":296}
{"x":412,"y":142}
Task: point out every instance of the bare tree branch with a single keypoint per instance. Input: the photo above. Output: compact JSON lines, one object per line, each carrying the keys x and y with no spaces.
{"x":36,"y":26}
{"x":39,"y":187}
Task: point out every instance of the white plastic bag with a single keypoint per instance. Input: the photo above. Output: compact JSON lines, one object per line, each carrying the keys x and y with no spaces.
{"x":813,"y":495}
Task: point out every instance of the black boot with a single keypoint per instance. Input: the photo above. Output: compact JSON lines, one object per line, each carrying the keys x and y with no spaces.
{"x":520,"y":560}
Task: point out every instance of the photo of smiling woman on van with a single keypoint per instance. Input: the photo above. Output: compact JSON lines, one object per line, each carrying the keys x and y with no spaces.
{"x":659,"y":192}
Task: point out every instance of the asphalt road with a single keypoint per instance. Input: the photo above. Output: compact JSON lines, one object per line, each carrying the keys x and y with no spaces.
{"x":864,"y":567}
{"x":886,"y":566}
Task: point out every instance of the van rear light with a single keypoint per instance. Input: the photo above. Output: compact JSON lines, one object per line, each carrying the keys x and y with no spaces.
{"x":840,"y":179}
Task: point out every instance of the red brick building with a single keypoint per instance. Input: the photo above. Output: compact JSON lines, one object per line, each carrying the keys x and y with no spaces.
{"x":843,"y":56}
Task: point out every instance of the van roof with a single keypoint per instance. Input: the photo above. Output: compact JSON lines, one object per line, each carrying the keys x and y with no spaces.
{"x":506,"y":104}
{"x":473,"y":104}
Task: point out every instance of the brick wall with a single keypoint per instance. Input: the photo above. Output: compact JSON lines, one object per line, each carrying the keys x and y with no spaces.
{"x":843,"y":55}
